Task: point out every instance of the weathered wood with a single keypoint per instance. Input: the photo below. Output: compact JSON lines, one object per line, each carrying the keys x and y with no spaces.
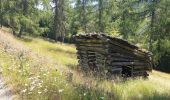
{"x":99,"y":52}
{"x":127,"y":63}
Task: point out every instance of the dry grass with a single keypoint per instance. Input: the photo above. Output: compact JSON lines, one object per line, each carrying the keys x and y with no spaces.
{"x":28,"y":62}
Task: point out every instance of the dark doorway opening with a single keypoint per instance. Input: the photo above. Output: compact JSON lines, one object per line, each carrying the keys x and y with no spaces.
{"x":126,"y":71}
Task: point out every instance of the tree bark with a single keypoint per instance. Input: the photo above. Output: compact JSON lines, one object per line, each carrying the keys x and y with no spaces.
{"x":59,"y":27}
{"x":13,"y":32}
{"x":0,"y":13}
{"x":152,"y":25}
{"x":124,"y":32}
{"x":24,"y":12}
{"x":84,"y":16}
{"x":100,"y":15}
{"x":20,"y":32}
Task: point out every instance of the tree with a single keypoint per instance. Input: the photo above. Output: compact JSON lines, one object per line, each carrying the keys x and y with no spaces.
{"x":24,"y":5}
{"x":152,"y":24}
{"x":59,"y":18}
{"x":101,"y":28}
{"x":1,"y":13}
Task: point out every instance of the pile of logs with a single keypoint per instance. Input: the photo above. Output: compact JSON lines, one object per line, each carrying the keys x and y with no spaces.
{"x":100,"y":53}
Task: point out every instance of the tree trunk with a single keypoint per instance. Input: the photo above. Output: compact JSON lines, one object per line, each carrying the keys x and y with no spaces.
{"x":152,"y":25}
{"x":56,"y":20}
{"x":0,"y":13}
{"x":20,"y":32}
{"x":84,"y":16}
{"x":13,"y":32}
{"x":100,"y":15}
{"x":24,"y":12}
{"x":25,"y":7}
{"x":124,"y":32}
{"x":59,"y":27}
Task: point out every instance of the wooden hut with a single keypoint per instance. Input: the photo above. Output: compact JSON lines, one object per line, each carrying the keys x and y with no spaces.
{"x":100,"y":53}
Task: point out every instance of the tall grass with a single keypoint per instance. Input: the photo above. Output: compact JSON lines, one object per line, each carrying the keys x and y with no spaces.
{"x":42,"y":70}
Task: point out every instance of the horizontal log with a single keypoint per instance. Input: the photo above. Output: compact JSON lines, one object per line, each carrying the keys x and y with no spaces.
{"x":124,"y":52}
{"x":134,"y":51}
{"x":79,"y":41}
{"x":122,"y":60}
{"x":91,"y":44}
{"x":91,"y":48}
{"x":120,"y":55}
{"x":127,"y":63}
{"x":125,"y":46}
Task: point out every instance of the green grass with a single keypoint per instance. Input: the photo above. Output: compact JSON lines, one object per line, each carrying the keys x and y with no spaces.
{"x":64,"y":54}
{"x":41,"y":70}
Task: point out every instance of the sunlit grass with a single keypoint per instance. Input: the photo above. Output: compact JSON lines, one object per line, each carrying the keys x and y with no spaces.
{"x":62,"y":53}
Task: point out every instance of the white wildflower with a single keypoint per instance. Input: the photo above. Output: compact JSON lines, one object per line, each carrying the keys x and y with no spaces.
{"x":32,"y":88}
{"x":102,"y":98}
{"x":60,"y":90}
{"x":33,"y":82}
{"x":45,"y":90}
{"x":39,"y":92}
{"x":24,"y":90}
{"x":39,"y":84}
{"x":66,"y":84}
{"x":30,"y":78}
{"x":85,"y":94}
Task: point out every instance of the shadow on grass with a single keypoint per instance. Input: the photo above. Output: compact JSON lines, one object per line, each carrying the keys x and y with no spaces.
{"x":26,"y":39}
{"x":73,"y":66}
{"x":157,"y":96}
{"x":64,"y":51}
{"x":87,"y":93}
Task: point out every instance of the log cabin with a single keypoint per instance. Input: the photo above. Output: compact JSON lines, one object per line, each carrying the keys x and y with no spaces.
{"x":101,"y":53}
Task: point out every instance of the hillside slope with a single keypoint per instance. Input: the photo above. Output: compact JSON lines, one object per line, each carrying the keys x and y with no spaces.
{"x":37,"y":68}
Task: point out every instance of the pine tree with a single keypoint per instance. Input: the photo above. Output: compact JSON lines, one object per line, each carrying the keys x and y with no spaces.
{"x":1,"y":13}
{"x":59,"y":26}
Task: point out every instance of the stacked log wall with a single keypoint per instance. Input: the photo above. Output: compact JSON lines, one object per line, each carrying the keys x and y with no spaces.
{"x":99,"y":52}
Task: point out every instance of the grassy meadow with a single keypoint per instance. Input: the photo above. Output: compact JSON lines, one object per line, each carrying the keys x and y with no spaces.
{"x":38,"y":69}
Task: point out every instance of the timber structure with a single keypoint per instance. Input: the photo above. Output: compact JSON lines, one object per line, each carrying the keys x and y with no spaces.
{"x":101,"y":53}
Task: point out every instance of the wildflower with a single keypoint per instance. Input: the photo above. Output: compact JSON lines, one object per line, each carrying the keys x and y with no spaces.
{"x":32,"y":88}
{"x":39,"y":84}
{"x":30,"y":78}
{"x":33,"y":82}
{"x":38,"y":76}
{"x":29,"y":92}
{"x":45,"y":90}
{"x":39,"y":92}
{"x":27,"y":64}
{"x":85,"y":94}
{"x":102,"y":98}
{"x":61,"y":90}
{"x":24,"y":90}
{"x":66,"y":84}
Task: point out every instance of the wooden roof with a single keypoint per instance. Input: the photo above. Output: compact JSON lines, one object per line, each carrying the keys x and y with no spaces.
{"x":103,"y":36}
